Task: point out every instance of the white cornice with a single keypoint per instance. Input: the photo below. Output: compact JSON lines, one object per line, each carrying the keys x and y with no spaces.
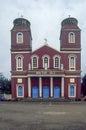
{"x":19,"y":52}
{"x":23,"y":76}
{"x":73,"y":76}
{"x":70,"y":51}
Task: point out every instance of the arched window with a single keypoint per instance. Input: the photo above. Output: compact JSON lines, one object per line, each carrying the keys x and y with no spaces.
{"x":72,"y":63}
{"x":20,"y":91}
{"x":19,"y":63}
{"x":56,"y":62}
{"x":71,"y":37}
{"x":35,"y":61}
{"x":46,"y":61}
{"x":72,"y":91}
{"x":19,"y":37}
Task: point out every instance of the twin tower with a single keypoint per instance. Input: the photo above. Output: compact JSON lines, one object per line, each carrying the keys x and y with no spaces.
{"x":46,"y":72}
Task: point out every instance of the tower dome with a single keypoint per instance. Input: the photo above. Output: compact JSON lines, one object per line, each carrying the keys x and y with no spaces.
{"x":69,"y":20}
{"x":20,"y":21}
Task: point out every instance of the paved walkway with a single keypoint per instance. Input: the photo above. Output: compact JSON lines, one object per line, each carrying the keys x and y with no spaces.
{"x":38,"y":116}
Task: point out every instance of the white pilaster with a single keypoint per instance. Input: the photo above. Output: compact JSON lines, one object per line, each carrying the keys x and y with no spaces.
{"x":62,"y":87}
{"x":40,"y":87}
{"x":29,"y":87}
{"x":51,"y":87}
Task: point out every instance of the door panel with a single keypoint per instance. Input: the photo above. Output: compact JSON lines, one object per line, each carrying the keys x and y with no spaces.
{"x":20,"y":91}
{"x":35,"y":92}
{"x":46,"y":92}
{"x":71,"y":90}
{"x":56,"y":92}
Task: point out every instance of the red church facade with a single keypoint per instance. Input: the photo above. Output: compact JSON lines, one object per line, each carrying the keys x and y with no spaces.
{"x":46,"y":72}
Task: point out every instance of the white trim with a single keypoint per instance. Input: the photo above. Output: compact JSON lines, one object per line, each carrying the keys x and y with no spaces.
{"x":29,"y":87}
{"x":71,"y":49}
{"x":74,"y":90}
{"x":45,"y":75}
{"x":40,"y":87}
{"x":72,"y":80}
{"x":73,"y":76}
{"x":76,"y":52}
{"x":68,"y":29}
{"x":19,"y":80}
{"x":51,"y":86}
{"x":35,"y":75}
{"x":62,"y":87}
{"x":22,"y":85}
{"x":18,"y":76}
{"x":19,"y":52}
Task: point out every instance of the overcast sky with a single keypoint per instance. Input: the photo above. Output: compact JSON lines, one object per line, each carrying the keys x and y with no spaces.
{"x":45,"y":17}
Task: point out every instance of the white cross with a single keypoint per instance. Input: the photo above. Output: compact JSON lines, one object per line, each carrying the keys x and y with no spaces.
{"x":69,"y":16}
{"x":45,"y":41}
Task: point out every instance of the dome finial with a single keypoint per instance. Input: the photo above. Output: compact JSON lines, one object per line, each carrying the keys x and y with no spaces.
{"x":69,"y":15}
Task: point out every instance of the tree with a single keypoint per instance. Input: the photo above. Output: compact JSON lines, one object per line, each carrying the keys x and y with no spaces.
{"x":83,"y":86}
{"x":5,"y":84}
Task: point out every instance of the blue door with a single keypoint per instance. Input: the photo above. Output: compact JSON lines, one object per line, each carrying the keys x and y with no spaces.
{"x":71,"y":90}
{"x":20,"y":91}
{"x":46,"y":92}
{"x":35,"y":92}
{"x":56,"y":92}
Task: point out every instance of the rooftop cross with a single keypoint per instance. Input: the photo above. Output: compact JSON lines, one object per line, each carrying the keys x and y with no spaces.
{"x":21,"y":16}
{"x":45,"y":41}
{"x":69,"y":16}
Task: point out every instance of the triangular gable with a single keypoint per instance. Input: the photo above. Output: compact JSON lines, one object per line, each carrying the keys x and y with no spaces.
{"x":45,"y":49}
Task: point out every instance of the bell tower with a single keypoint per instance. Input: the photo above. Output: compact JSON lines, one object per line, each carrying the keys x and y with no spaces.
{"x":21,"y":39}
{"x":21,"y":45}
{"x":21,"y":49}
{"x":70,"y":35}
{"x":70,"y":47}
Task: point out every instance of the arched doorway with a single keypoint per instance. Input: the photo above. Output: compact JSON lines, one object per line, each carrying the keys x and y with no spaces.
{"x":20,"y":91}
{"x":35,"y":93}
{"x":71,"y":90}
{"x":57,"y":92}
{"x":46,"y":92}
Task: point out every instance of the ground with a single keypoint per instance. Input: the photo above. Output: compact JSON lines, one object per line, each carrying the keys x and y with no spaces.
{"x":42,"y":116}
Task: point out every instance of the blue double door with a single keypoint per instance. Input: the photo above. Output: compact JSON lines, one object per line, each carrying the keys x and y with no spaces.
{"x":35,"y":92}
{"x":56,"y":93}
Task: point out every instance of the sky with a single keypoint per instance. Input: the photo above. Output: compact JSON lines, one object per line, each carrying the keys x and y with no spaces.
{"x":45,"y":17}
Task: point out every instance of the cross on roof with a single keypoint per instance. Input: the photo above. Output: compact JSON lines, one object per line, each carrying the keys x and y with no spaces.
{"x":45,"y":41}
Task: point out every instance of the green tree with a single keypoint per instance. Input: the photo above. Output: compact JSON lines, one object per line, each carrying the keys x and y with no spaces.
{"x":5,"y":84}
{"x":83,"y":86}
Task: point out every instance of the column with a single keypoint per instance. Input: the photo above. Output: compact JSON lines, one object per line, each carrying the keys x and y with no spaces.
{"x":40,"y":87}
{"x":29,"y":87}
{"x":62,"y":87}
{"x":51,"y":87}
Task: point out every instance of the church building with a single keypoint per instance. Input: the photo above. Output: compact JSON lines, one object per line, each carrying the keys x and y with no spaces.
{"x":46,"y":72}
